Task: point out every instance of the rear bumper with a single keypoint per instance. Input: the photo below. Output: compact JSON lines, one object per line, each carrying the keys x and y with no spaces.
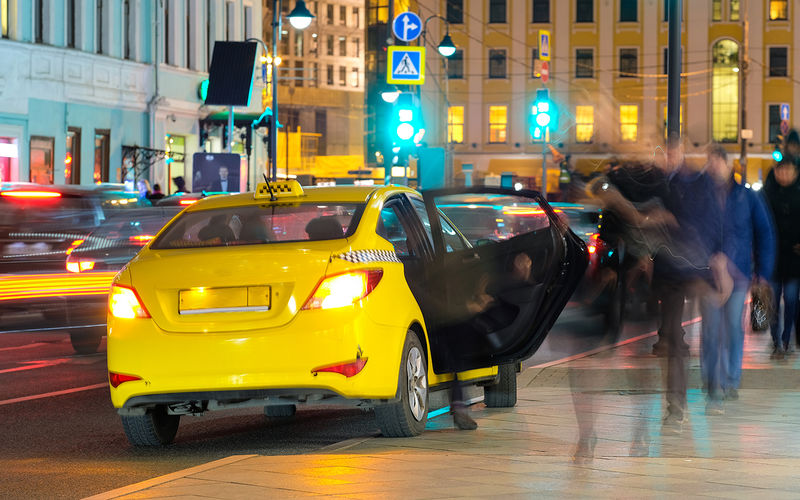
{"x":178,"y":367}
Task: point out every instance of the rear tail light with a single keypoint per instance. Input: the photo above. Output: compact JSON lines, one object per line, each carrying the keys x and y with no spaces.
{"x":593,"y":243}
{"x":83,"y":265}
{"x":31,"y":194}
{"x":345,"y":289}
{"x":141,"y":239}
{"x":118,"y":378}
{"x":187,"y":202}
{"x":124,"y":302}
{"x":348,"y":369}
{"x":72,"y":246}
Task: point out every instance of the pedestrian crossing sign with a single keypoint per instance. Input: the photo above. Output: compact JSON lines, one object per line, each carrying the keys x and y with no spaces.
{"x":406,"y":65}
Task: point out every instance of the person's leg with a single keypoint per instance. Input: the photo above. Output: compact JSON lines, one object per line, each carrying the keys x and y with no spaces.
{"x":672,"y":312}
{"x":735,"y":345}
{"x":458,"y":406}
{"x":791,"y":290}
{"x":711,"y":347}
{"x":774,"y":327}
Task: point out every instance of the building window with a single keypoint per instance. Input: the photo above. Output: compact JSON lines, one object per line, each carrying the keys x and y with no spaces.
{"x":101,"y":155}
{"x":455,"y":65}
{"x":70,"y":15}
{"x":584,"y":63}
{"x":298,"y":43}
{"x":498,"y":124}
{"x":299,"y":73}
{"x":584,"y":123}
{"x":356,"y":47}
{"x":230,"y":26}
{"x":190,"y":40}
{"x":734,"y":10}
{"x":725,"y":93}
{"x":497,"y":63}
{"x":716,"y":9}
{"x":356,"y":18}
{"x":497,"y":11}
{"x":666,"y":61}
{"x":774,"y":123}
{"x":778,"y":10}
{"x":329,"y":48}
{"x":130,"y":31}
{"x":584,"y":11}
{"x":329,"y":71}
{"x":314,"y":78}
{"x":343,"y":15}
{"x":342,"y":76}
{"x":628,"y":122}
{"x":541,"y":11}
{"x":777,"y":61}
{"x":343,"y":46}
{"x":38,"y":35}
{"x":455,"y":124}
{"x":329,"y":17}
{"x":168,"y":35}
{"x":455,"y":11}
{"x":628,"y":11}
{"x":4,"y":17}
{"x":9,"y":159}
{"x":248,"y":21}
{"x":72,"y":159}
{"x":628,"y":63}
{"x":41,"y":160}
{"x":354,"y":77}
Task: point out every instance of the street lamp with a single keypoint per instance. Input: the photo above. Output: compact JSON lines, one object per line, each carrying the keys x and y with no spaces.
{"x":300,"y":18}
{"x":446,"y":47}
{"x":390,"y":94}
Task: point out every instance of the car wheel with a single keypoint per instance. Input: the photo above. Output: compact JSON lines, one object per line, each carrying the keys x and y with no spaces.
{"x":86,"y":340}
{"x":280,"y":411}
{"x":503,"y":394}
{"x":154,"y":428}
{"x":407,"y":417}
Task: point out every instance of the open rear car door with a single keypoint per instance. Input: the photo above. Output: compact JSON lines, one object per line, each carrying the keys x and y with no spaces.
{"x":505,"y":265}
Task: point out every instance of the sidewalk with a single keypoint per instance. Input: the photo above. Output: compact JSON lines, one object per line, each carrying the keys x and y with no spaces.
{"x":751,"y":451}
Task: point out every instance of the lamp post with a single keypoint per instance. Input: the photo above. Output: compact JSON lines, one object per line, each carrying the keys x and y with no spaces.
{"x":446,"y":48}
{"x":300,"y":18}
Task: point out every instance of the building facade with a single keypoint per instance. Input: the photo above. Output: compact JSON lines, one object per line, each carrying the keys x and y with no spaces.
{"x":107,"y":90}
{"x":321,"y":89}
{"x":607,"y":79}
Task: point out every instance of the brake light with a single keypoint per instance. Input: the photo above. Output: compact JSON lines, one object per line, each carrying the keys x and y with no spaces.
{"x":124,"y":302}
{"x":141,"y":239}
{"x":187,"y":202}
{"x":72,"y":246}
{"x":31,"y":194}
{"x":348,"y":369}
{"x":118,"y":378}
{"x":345,"y":289}
{"x":77,"y":267}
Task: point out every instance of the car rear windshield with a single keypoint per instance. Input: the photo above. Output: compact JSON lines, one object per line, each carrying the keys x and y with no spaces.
{"x":135,"y":228}
{"x":261,"y":224}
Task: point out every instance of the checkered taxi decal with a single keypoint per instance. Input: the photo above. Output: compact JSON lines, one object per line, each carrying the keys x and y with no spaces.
{"x":361,"y":256}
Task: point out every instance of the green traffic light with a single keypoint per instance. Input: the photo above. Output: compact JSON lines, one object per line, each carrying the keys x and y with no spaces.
{"x":777,"y":155}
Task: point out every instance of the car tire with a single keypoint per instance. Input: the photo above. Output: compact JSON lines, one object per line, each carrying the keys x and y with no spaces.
{"x":86,"y":340}
{"x":154,"y":428}
{"x":407,"y":417}
{"x":502,"y":394}
{"x":280,"y":411}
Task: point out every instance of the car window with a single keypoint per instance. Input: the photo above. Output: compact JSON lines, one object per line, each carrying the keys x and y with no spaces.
{"x":492,"y":217}
{"x":391,"y":228}
{"x":261,"y":224}
{"x":135,"y":228}
{"x":422,"y":213}
{"x":452,"y":240}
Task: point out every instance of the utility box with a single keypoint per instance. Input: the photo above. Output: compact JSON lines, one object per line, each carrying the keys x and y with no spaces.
{"x":431,"y":168}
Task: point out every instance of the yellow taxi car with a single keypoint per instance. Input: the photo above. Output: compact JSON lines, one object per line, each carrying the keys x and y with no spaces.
{"x":358,"y":295}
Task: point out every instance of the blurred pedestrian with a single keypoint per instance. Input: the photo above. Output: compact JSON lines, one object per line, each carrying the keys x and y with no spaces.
{"x":156,"y":194}
{"x":748,"y":244}
{"x":143,"y":187}
{"x":782,"y":190}
{"x":180,"y":184}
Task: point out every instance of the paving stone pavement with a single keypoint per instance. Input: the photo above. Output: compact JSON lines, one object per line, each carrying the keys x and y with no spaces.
{"x":533,"y":450}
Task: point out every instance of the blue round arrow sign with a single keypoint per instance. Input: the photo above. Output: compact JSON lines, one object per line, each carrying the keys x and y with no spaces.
{"x":407,"y":26}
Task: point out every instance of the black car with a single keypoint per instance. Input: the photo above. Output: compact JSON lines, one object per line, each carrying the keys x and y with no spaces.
{"x":108,"y":248}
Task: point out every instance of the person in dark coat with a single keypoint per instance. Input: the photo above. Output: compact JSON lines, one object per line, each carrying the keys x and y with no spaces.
{"x":782,"y":190}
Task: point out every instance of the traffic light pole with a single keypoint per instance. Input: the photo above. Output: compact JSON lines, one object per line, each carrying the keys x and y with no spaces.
{"x":544,"y":170}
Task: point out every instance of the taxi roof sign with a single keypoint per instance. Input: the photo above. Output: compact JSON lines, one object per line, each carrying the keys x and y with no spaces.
{"x":282,"y":189}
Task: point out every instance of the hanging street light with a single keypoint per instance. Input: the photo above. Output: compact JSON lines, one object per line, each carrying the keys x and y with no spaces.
{"x":300,"y":17}
{"x":446,"y":47}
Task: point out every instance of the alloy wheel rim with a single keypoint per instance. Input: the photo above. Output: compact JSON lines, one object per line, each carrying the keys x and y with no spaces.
{"x":417,"y":384}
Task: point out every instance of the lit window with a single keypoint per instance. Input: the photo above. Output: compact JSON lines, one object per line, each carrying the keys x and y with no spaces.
{"x":455,"y":124}
{"x":584,"y":123}
{"x":498,"y":124}
{"x":725,"y":91}
{"x":354,"y":77}
{"x":734,"y":10}
{"x":628,"y":122}
{"x":778,"y":10}
{"x":666,"y":118}
{"x":716,"y":10}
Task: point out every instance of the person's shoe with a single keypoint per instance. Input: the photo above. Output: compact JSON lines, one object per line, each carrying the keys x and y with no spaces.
{"x":660,"y":348}
{"x":673,"y":424}
{"x":463,"y":421}
{"x":775,"y":351}
{"x":778,"y":353}
{"x":787,"y":350}
{"x":731,"y":394}
{"x":714,"y":407}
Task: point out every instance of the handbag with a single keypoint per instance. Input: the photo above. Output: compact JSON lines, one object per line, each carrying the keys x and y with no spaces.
{"x":762,"y":309}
